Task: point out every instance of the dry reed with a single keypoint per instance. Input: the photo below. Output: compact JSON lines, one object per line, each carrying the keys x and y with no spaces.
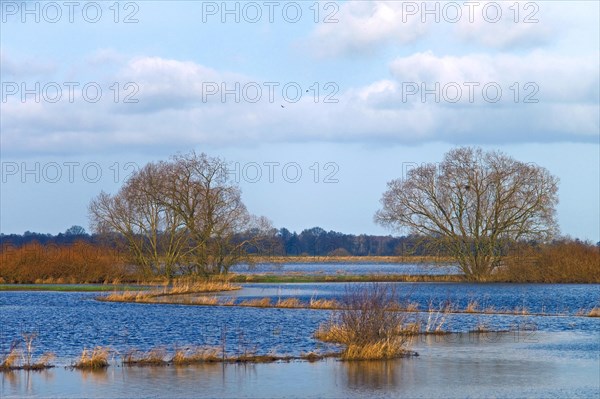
{"x":94,"y":359}
{"x":257,"y":303}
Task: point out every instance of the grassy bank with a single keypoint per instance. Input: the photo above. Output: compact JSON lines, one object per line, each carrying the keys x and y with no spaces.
{"x":71,"y":287}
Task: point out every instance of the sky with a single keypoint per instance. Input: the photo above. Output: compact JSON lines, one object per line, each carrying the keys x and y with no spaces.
{"x":315,"y":104}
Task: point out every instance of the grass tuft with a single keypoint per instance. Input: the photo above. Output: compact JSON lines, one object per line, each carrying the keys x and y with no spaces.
{"x":194,"y":355}
{"x":324,"y":304}
{"x":289,"y":303}
{"x":94,"y":359}
{"x":257,"y":303}
{"x":472,"y":307}
{"x":154,"y":357}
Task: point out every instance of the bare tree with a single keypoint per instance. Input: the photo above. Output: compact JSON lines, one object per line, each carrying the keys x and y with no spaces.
{"x":473,"y":205}
{"x":183,"y":215}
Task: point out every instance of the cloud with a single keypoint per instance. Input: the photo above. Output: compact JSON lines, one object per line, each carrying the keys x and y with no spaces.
{"x":558,"y":78}
{"x":363,"y":26}
{"x":509,"y":25}
{"x":171,"y":113}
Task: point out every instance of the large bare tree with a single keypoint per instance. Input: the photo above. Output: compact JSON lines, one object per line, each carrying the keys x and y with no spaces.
{"x":181,"y":216}
{"x":473,"y":205}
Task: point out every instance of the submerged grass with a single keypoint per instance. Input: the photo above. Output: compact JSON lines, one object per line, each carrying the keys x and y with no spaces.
{"x":94,"y":359}
{"x":324,"y":304}
{"x":193,"y":355}
{"x":257,"y":303}
{"x":178,"y":287}
{"x":289,"y":303}
{"x":365,"y":325}
{"x":153,"y":357}
{"x":20,"y":355}
{"x":595,"y":312}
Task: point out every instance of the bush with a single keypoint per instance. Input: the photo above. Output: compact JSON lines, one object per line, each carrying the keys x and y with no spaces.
{"x":567,"y":261}
{"x":367,"y":325}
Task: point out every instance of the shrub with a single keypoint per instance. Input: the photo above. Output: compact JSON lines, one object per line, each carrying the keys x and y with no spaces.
{"x":365,"y":324}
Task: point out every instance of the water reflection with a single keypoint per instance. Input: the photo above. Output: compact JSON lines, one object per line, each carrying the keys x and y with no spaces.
{"x":372,"y":375}
{"x":453,"y":366}
{"x":27,"y":382}
{"x":94,"y":376}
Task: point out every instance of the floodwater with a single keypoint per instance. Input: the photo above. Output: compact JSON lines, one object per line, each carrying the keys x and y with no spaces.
{"x":540,"y":356}
{"x":346,"y":268}
{"x":543,"y":365}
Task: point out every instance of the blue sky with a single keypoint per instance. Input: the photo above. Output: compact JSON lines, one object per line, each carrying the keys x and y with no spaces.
{"x":350,"y":103}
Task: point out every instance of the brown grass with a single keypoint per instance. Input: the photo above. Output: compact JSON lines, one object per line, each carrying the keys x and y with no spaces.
{"x":205,"y":300}
{"x":595,"y":312}
{"x":94,"y":359}
{"x":11,"y":359}
{"x":79,"y":262}
{"x":567,"y":261}
{"x":324,"y":304}
{"x":289,"y":303}
{"x":412,"y":307}
{"x":383,"y":349}
{"x":472,"y":307}
{"x":257,"y":303}
{"x":197,"y":355}
{"x":153,"y":357}
{"x":365,"y":325}
{"x":191,"y":286}
{"x":522,"y":310}
{"x":128,"y":296}
{"x":179,"y":287}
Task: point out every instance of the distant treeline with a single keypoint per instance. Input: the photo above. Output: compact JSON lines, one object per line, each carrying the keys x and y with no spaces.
{"x":310,"y":242}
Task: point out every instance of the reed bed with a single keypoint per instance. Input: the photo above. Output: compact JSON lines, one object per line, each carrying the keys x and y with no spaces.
{"x":195,"y":355}
{"x":257,"y":303}
{"x":153,"y":357}
{"x":472,"y":307}
{"x":11,"y":359}
{"x":289,"y":303}
{"x":324,"y":304}
{"x":94,"y":359}
{"x":190,"y":286}
{"x":21,"y":353}
{"x":205,"y":300}
{"x":178,"y":287}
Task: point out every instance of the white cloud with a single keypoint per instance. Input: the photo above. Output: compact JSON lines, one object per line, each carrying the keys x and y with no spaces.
{"x":171,"y":112}
{"x":510,"y":24}
{"x":363,"y":26}
{"x":559,"y":79}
